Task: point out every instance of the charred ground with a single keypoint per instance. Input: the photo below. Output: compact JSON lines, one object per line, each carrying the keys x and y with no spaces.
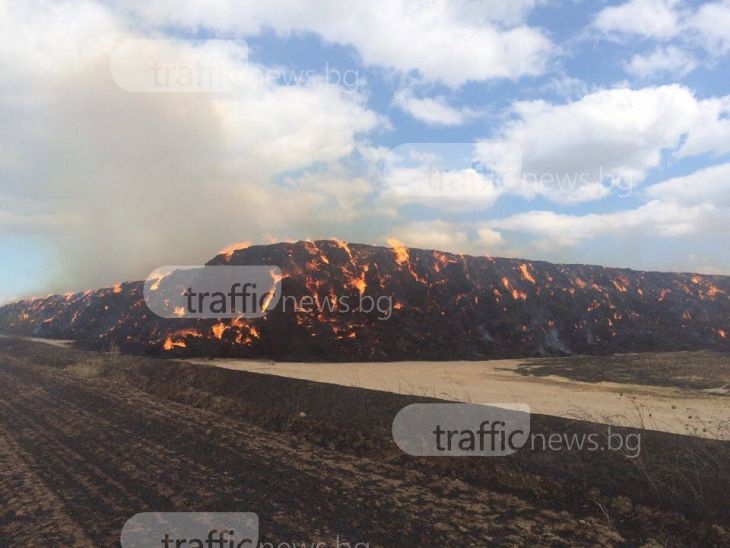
{"x":89,"y":439}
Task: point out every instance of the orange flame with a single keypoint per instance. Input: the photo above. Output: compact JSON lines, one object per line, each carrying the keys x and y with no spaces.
{"x":359,"y":283}
{"x":526,"y":274}
{"x":230,"y":249}
{"x":400,"y":250}
{"x":344,"y":246}
{"x":515,"y":293}
{"x":218,"y":330}
{"x":170,"y":344}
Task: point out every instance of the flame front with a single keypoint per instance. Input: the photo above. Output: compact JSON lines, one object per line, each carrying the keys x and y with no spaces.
{"x":230,"y":249}
{"x":400,"y":250}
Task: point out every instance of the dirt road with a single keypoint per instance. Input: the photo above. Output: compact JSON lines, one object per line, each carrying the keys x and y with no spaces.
{"x":79,"y":456}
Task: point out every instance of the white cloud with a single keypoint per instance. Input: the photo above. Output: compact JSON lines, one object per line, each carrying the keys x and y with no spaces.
{"x":654,"y":218}
{"x":567,"y":87}
{"x":450,"y":42}
{"x":662,"y":60}
{"x":696,"y":205}
{"x":658,"y":19}
{"x":711,"y":130}
{"x":704,"y":26}
{"x":436,"y":234}
{"x":449,"y":236}
{"x":602,"y":144}
{"x":606,"y":141}
{"x":432,"y":110}
{"x":445,"y":176}
{"x":711,"y":23}
{"x":708,"y":185}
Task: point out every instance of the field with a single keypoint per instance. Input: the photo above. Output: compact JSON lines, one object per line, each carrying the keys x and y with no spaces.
{"x":679,"y":392}
{"x":89,"y":439}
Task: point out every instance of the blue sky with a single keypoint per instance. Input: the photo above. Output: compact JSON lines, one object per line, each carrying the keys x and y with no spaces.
{"x":106,"y":174}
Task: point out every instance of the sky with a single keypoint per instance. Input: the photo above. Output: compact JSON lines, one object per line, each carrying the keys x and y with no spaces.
{"x":140,"y":134}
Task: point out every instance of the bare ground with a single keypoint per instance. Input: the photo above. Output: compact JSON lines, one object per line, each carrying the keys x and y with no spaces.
{"x":88,"y":440}
{"x":678,"y":392}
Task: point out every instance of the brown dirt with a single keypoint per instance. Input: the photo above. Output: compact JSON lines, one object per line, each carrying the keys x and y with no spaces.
{"x":80,"y":454}
{"x":704,"y":370}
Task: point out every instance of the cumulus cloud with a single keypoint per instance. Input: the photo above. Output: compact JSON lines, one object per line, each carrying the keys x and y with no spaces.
{"x":663,"y":60}
{"x":607,"y":140}
{"x":435,"y":234}
{"x":445,"y":41}
{"x":710,"y":24}
{"x":432,"y":110}
{"x":711,"y":130}
{"x":681,"y":208}
{"x":445,"y":176}
{"x":708,"y":185}
{"x":451,"y":236}
{"x":704,"y":26}
{"x":658,"y":19}
{"x":656,"y":217}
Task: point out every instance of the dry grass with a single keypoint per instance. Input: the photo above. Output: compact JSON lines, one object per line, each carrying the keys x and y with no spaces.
{"x":694,"y":479}
{"x":100,"y":364}
{"x":87,"y":369}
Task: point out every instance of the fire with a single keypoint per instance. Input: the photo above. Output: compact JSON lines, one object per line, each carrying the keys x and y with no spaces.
{"x":400,"y":250}
{"x":580,"y":283}
{"x":188,"y":332}
{"x":156,"y":284}
{"x":713,"y":292}
{"x":402,"y":257}
{"x":276,"y":278}
{"x":230,"y":249}
{"x":254,"y":332}
{"x":179,"y":311}
{"x":526,"y":273}
{"x":722,"y":333}
{"x":442,"y":260}
{"x":620,"y":285}
{"x":344,"y":246}
{"x":170,"y":344}
{"x":359,"y":283}
{"x":516,"y":294}
{"x":218,"y":330}
{"x":118,"y":288}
